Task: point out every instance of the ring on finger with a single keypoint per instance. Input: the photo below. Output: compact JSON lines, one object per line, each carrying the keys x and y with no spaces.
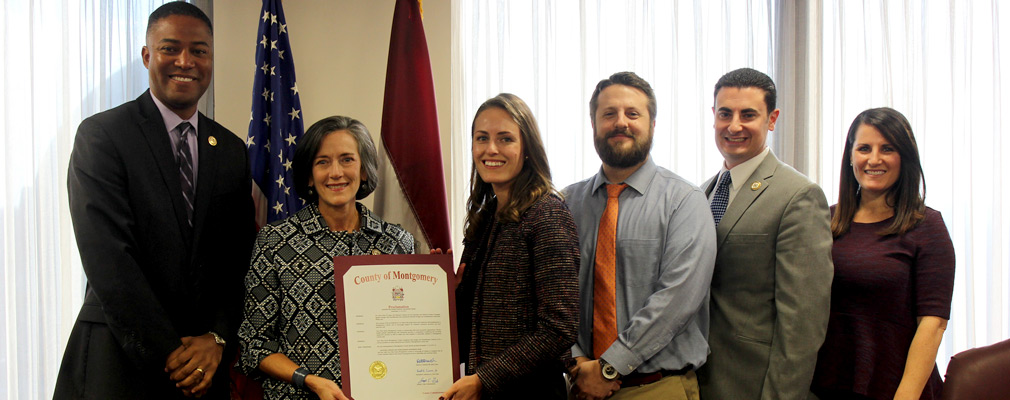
{"x":201,"y":371}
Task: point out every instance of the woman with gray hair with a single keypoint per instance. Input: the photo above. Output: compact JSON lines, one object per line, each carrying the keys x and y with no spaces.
{"x":289,"y":333}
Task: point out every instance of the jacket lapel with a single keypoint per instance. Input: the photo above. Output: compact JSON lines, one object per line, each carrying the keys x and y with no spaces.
{"x":206,"y":176}
{"x":153,"y":128}
{"x":753,"y":187}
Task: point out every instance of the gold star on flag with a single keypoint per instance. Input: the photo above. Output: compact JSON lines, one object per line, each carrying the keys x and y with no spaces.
{"x":294,"y":113}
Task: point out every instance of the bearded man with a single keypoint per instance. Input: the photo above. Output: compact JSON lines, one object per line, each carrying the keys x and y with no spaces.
{"x":648,"y":251}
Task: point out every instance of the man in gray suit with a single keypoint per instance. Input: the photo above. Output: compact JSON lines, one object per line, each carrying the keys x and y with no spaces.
{"x":772,"y":281}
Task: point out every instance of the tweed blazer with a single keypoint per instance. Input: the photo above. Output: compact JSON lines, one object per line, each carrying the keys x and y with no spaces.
{"x":526,"y":301}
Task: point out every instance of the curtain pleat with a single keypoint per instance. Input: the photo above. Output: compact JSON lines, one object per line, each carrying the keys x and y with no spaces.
{"x":938,"y":63}
{"x":63,"y":61}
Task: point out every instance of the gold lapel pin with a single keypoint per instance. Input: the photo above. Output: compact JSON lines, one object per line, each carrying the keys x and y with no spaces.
{"x":755,"y":186}
{"x":212,"y":140}
{"x":376,"y":252}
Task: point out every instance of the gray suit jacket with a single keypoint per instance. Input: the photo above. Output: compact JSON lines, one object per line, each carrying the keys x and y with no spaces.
{"x":771,"y":289}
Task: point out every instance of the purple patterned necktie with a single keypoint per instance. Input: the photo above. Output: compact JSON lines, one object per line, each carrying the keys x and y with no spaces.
{"x":185,"y":161}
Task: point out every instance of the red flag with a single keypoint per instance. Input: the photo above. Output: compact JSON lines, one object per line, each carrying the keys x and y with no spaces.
{"x":410,"y":125}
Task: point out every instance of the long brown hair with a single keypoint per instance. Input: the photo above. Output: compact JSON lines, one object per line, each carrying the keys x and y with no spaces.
{"x":533,"y":181}
{"x":908,"y":202}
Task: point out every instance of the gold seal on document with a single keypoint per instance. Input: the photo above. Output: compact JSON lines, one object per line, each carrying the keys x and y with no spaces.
{"x":755,"y":186}
{"x":212,"y":140}
{"x":377,"y":369}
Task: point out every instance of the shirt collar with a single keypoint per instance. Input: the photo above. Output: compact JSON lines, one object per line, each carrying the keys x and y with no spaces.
{"x":639,"y":180}
{"x":744,"y":170}
{"x":172,"y":120}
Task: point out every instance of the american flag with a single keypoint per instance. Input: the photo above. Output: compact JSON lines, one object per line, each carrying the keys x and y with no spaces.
{"x":275,"y":124}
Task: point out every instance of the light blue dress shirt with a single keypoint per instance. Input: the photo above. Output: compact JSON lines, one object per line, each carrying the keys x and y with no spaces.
{"x":666,"y":248}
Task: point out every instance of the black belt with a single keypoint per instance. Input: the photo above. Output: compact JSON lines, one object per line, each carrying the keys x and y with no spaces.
{"x":639,"y":379}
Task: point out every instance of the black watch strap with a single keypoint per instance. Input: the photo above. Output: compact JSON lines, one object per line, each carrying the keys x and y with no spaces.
{"x":298,"y":378}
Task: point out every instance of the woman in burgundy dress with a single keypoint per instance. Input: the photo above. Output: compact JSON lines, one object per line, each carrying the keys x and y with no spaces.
{"x":894,"y":270}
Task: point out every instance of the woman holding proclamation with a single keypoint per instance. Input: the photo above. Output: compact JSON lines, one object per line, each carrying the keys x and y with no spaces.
{"x":289,"y":333}
{"x":894,"y":270}
{"x":518,"y":298}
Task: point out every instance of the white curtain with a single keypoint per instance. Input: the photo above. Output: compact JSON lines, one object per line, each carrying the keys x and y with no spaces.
{"x":552,"y":54}
{"x":63,"y":61}
{"x":938,"y":62}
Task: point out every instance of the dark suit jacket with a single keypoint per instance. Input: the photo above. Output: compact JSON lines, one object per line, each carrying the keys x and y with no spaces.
{"x":151,"y":278}
{"x":771,"y":288}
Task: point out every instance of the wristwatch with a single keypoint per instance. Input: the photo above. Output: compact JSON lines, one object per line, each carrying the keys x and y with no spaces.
{"x":609,"y":372}
{"x":218,"y":339}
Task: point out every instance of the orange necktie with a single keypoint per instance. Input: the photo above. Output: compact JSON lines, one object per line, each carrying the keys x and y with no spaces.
{"x":604,"y":275}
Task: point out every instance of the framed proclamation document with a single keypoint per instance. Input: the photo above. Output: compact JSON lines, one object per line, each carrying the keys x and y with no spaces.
{"x":396,"y":315}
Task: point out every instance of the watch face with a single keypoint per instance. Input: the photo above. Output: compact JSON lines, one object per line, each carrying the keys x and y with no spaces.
{"x":609,"y":371}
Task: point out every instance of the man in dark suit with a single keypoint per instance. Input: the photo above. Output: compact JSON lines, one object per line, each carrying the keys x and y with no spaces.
{"x":772,"y":281}
{"x":161,"y":206}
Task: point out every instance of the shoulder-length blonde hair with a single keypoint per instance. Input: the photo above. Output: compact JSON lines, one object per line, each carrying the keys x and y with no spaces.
{"x":533,"y":181}
{"x":908,"y":202}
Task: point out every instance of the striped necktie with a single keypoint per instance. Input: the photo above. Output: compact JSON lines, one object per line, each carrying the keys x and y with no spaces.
{"x":185,"y":160}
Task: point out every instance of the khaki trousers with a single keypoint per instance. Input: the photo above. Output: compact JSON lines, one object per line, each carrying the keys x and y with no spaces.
{"x":675,"y":387}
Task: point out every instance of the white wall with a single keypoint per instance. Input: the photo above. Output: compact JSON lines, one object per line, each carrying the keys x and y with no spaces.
{"x":339,"y":48}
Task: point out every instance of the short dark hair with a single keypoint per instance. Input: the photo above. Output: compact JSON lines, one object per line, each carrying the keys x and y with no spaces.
{"x":308,"y":147}
{"x":908,"y":201}
{"x":627,"y":79}
{"x":178,"y":8}
{"x":748,"y":77}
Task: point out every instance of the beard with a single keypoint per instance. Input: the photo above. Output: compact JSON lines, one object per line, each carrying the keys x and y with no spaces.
{"x":624,"y":157}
